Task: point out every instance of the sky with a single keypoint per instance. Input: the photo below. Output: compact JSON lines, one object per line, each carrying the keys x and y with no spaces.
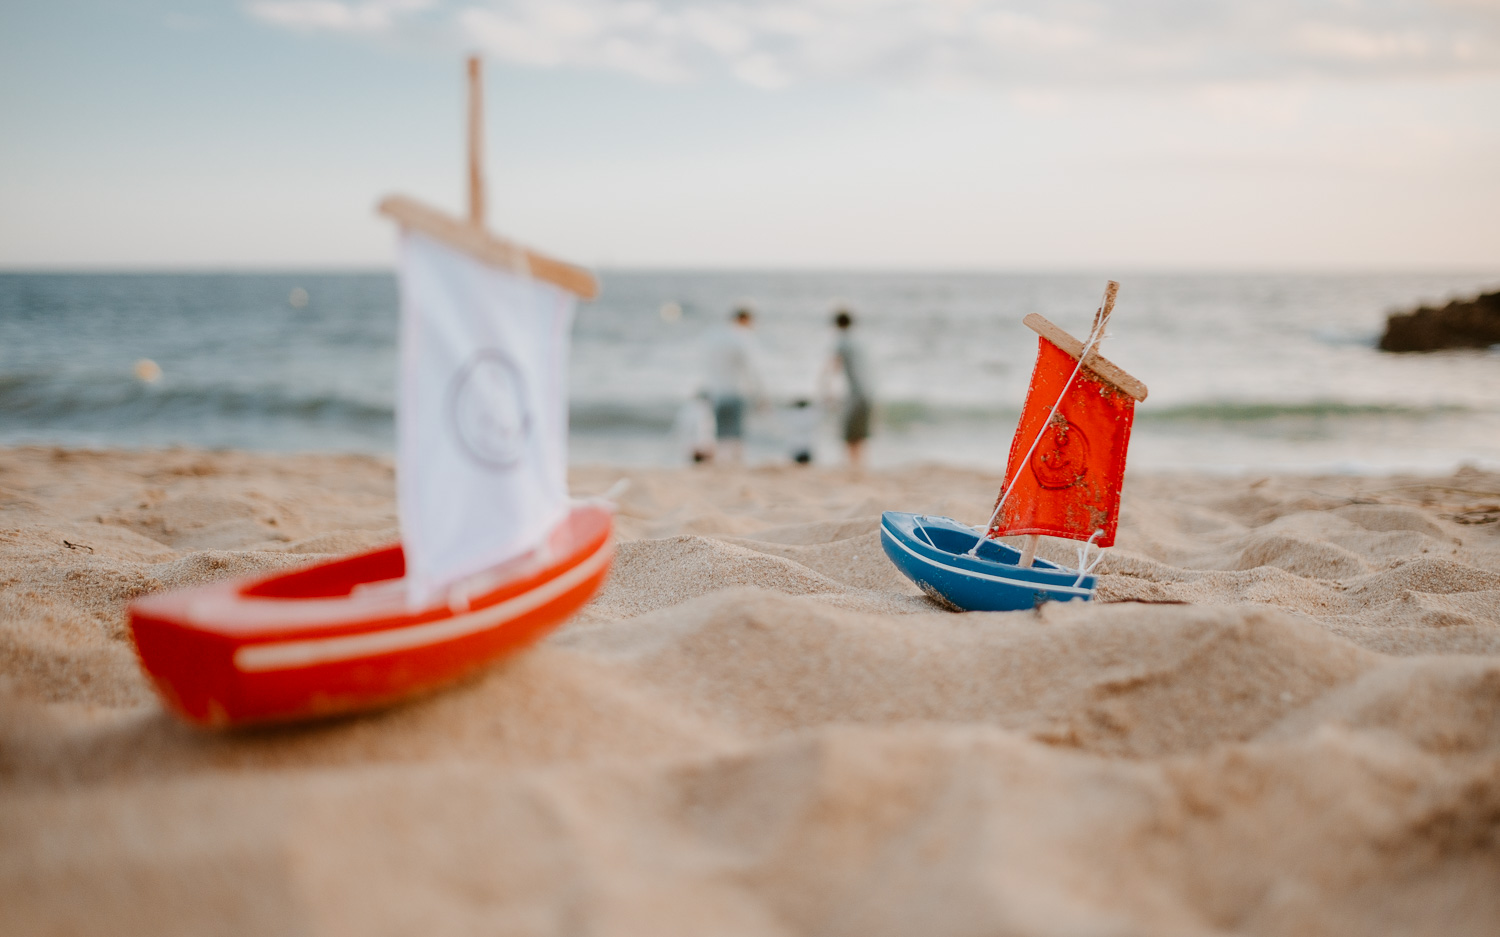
{"x":867,"y":134}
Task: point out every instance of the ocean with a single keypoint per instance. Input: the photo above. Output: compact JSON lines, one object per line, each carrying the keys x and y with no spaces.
{"x":1247,"y":372}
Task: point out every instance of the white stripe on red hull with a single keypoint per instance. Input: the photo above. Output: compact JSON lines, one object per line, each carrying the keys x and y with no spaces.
{"x":291,"y":655}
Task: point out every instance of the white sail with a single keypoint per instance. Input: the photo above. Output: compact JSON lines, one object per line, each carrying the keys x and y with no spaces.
{"x":482,"y":422}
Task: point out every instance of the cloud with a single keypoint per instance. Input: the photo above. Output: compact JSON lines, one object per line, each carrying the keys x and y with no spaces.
{"x":336,"y":15}
{"x":1026,"y":43}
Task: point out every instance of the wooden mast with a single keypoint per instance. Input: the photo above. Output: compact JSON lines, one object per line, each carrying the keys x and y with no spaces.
{"x":471,"y":235}
{"x":476,"y":143}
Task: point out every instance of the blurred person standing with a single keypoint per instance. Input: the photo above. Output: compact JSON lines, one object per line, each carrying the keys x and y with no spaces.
{"x":733,"y":379}
{"x":849,"y":359}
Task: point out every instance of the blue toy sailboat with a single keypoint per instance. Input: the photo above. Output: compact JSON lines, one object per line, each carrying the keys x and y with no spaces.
{"x":1063,"y":478}
{"x":933,"y":552}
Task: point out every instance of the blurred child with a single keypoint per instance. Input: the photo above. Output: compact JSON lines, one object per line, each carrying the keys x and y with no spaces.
{"x":694,"y":428}
{"x":732,"y":373}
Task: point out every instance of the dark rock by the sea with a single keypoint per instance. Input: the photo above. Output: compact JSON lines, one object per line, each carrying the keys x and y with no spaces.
{"x":1469,"y":323}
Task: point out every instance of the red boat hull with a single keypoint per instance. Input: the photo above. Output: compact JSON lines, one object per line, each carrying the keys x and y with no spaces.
{"x":337,"y":637}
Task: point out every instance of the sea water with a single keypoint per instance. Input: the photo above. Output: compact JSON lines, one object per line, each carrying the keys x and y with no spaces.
{"x":1247,"y":372}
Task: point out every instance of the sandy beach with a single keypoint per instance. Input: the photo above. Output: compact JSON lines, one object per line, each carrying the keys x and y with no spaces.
{"x":1281,"y":716}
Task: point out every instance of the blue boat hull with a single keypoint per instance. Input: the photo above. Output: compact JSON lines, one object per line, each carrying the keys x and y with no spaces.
{"x":933,"y":553}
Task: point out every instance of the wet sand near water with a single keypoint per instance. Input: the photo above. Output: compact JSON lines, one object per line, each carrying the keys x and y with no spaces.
{"x":1281,"y":716}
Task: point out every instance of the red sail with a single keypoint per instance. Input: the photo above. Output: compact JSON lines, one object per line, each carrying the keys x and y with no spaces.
{"x":1070,"y":487}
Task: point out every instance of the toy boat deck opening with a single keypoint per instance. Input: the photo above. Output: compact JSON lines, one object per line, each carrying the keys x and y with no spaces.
{"x":933,"y":552}
{"x":339,"y":636}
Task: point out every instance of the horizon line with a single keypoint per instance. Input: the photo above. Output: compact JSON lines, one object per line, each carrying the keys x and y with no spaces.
{"x":1092,"y":269}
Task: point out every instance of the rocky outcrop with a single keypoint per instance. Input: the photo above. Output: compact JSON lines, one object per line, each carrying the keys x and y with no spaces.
{"x":1471,"y":323}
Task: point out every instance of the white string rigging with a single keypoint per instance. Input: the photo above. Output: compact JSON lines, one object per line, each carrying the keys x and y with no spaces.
{"x":1084,"y":566}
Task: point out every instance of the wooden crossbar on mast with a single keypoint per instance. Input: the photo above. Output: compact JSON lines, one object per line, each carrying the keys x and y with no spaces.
{"x":1102,"y":367}
{"x":472,"y":236}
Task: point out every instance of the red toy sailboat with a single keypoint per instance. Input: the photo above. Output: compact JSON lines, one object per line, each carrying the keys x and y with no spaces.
{"x":494,"y":554}
{"x":1063,"y":478}
{"x":340,"y":636}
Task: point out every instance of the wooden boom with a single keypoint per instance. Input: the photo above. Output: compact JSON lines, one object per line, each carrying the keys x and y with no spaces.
{"x":490,"y":248}
{"x":1106,"y":370}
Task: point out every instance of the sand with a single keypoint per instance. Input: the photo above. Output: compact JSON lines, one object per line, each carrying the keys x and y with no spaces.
{"x":1281,"y":716}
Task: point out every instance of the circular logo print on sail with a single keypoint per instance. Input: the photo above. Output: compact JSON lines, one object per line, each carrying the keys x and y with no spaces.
{"x":488,"y":408}
{"x":1062,"y":457}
